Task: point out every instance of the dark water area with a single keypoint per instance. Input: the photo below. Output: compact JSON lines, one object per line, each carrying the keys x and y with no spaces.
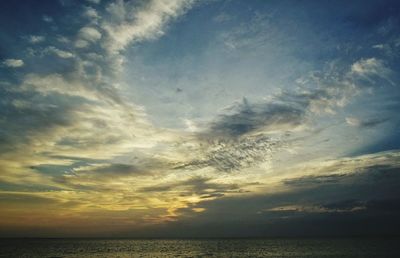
{"x":279,"y":247}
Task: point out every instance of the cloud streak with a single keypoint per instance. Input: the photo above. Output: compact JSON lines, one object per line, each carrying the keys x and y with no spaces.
{"x":13,"y":63}
{"x":146,"y":23}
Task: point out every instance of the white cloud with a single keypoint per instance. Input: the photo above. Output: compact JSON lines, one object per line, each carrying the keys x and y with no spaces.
{"x":55,"y":83}
{"x":60,"y":53}
{"x":13,"y":63}
{"x":91,"y":13}
{"x":89,"y":34}
{"x":370,"y":67}
{"x":379,"y":46}
{"x":353,"y":121}
{"x":146,"y":23}
{"x":81,"y":43}
{"x":365,"y":123}
{"x":36,"y":39}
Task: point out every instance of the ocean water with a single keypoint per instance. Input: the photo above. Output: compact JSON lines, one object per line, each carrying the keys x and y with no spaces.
{"x":338,"y":247}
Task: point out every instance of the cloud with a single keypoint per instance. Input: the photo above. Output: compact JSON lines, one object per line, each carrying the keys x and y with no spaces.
{"x":81,"y":43}
{"x":29,"y":131}
{"x":265,"y":117}
{"x":346,"y":206}
{"x":371,"y":168}
{"x":69,"y":134}
{"x":47,"y":19}
{"x":349,"y":205}
{"x":222,"y":17}
{"x":318,"y":93}
{"x":134,"y":24}
{"x":232,"y":155}
{"x":319,"y":179}
{"x":60,"y":53}
{"x":93,"y":173}
{"x":365,"y":123}
{"x":65,"y":111}
{"x":201,"y":186}
{"x":325,"y":193}
{"x":48,"y":123}
{"x":89,"y":34}
{"x":370,"y":67}
{"x":353,"y":121}
{"x":94,"y":1}
{"x":247,"y":35}
{"x":14,"y":63}
{"x":36,"y":39}
{"x":74,"y":84}
{"x":247,"y":134}
{"x":56,"y":83}
{"x":91,"y":13}
{"x":110,"y":170}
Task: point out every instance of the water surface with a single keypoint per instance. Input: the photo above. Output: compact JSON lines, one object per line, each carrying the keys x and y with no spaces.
{"x":339,"y":247}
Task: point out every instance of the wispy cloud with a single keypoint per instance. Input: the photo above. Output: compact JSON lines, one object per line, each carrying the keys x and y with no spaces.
{"x":14,"y":63}
{"x":60,"y":53}
{"x":94,"y":1}
{"x":36,"y":39}
{"x":368,"y":68}
{"x":133,"y":25}
{"x":365,"y":123}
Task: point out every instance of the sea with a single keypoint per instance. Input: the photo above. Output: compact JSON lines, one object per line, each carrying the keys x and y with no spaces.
{"x":271,"y":247}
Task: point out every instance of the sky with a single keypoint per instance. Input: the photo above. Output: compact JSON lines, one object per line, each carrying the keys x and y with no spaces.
{"x":212,"y":118}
